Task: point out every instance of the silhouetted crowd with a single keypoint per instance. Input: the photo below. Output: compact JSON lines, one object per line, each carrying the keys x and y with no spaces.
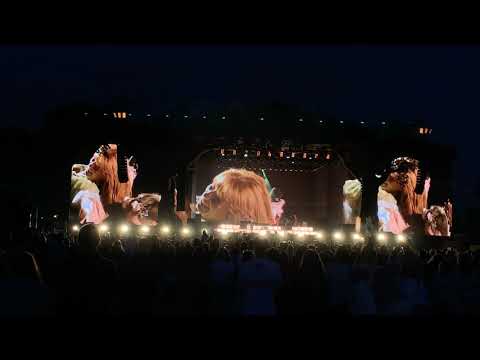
{"x":50,"y":275}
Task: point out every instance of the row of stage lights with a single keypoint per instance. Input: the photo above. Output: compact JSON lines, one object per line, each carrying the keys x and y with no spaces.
{"x":124,"y":229}
{"x":123,"y":115}
{"x":337,"y":236}
{"x":281,"y":154}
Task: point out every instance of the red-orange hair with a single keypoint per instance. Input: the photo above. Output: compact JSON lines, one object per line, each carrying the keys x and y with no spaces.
{"x":236,"y":195}
{"x":112,"y":191}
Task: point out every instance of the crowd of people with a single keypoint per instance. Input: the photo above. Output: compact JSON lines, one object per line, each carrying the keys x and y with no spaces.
{"x":50,"y":275}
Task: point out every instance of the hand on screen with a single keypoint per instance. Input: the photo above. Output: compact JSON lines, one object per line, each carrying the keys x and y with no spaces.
{"x":427,"y":185}
{"x":449,"y":210}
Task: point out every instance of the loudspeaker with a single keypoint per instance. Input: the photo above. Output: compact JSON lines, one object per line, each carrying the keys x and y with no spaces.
{"x":122,"y":159}
{"x":421,"y":176}
{"x":180,"y":182}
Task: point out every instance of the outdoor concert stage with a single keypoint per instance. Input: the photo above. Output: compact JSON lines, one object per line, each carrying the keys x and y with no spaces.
{"x":288,"y":182}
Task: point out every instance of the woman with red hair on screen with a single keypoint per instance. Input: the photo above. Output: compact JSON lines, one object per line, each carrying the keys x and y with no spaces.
{"x":142,"y":209}
{"x":398,"y":204}
{"x":236,"y":195}
{"x":438,"y":220}
{"x":96,"y":185}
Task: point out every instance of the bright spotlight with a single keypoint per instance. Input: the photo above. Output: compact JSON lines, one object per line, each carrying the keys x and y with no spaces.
{"x":124,"y":228}
{"x":75,"y":228}
{"x":401,"y":238}
{"x":337,"y":235}
{"x":319,"y":235}
{"x":263,"y":233}
{"x":381,"y":237}
{"x":223,"y":233}
{"x":103,"y":228}
{"x":357,"y":237}
{"x":185,"y":231}
{"x":281,"y":233}
{"x":165,"y":229}
{"x":145,"y":229}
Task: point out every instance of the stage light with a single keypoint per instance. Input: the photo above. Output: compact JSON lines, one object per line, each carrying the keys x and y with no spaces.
{"x":319,"y":235}
{"x":204,"y":117}
{"x":145,"y":229}
{"x":124,"y":228}
{"x":362,"y":122}
{"x":165,"y":229}
{"x":357,"y":237}
{"x":341,"y":121}
{"x":337,"y":235}
{"x":301,"y":120}
{"x":148,"y":115}
{"x":321,"y":121}
{"x":384,"y":123}
{"x":281,"y":233}
{"x":185,"y":231}
{"x":401,"y":238}
{"x":261,"y":119}
{"x":246,"y":155}
{"x":223,"y":117}
{"x":55,"y":216}
{"x":185,"y":116}
{"x":381,"y":237}
{"x":300,"y":235}
{"x":103,"y":228}
{"x":222,"y":151}
{"x":75,"y":228}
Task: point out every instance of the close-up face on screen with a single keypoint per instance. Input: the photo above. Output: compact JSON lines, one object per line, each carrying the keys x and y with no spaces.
{"x":103,"y":187}
{"x":275,"y":195}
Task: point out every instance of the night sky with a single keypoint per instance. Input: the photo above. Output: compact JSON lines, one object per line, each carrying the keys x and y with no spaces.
{"x":437,"y":84}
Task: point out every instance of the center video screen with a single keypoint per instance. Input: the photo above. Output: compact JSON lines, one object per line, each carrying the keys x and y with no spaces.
{"x":238,"y":191}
